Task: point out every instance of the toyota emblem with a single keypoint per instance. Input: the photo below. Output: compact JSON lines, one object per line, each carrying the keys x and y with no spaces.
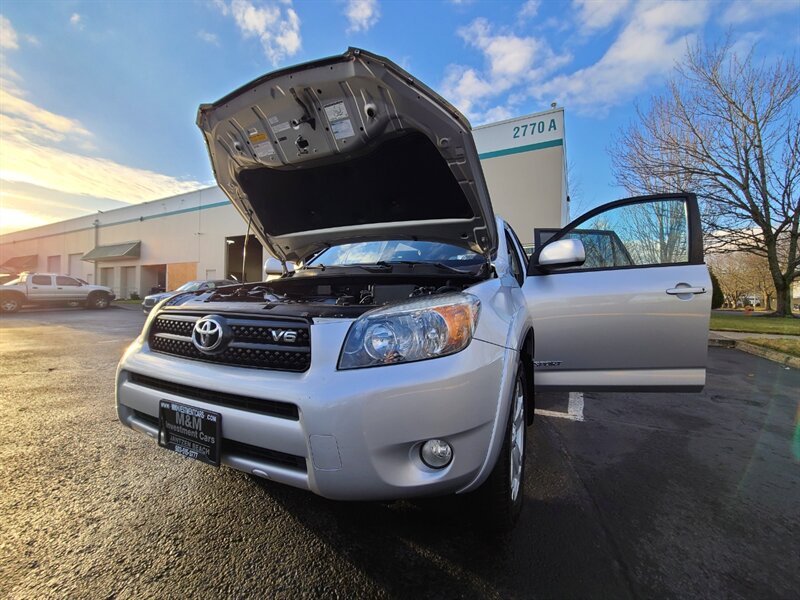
{"x":209,"y":334}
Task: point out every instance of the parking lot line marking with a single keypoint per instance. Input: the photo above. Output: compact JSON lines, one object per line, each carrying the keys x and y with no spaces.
{"x":574,"y":409}
{"x":575,"y":406}
{"x":555,"y":413}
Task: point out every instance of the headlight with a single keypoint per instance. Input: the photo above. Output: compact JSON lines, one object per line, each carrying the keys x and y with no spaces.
{"x":410,"y":331}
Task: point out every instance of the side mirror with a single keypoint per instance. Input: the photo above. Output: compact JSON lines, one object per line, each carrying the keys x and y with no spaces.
{"x":273,"y":266}
{"x":561,"y":253}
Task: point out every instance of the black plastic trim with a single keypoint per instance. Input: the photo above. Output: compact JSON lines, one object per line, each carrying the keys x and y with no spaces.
{"x":232,"y":447}
{"x":272,"y":408}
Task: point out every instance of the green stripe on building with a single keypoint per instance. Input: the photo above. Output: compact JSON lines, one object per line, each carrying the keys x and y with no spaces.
{"x":521,"y":149}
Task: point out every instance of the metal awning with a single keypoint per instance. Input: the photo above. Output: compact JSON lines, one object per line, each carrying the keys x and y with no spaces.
{"x":114,"y":252}
{"x":18,"y":264}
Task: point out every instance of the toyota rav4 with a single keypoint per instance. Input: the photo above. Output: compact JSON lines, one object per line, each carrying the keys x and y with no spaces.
{"x":400,"y":358}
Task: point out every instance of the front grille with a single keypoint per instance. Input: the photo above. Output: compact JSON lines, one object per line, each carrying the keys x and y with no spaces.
{"x":260,"y":343}
{"x":291,"y":461}
{"x":273,"y":408}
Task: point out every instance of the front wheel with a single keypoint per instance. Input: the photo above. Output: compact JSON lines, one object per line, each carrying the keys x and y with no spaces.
{"x":10,"y":303}
{"x":98,"y":301}
{"x":500,"y":497}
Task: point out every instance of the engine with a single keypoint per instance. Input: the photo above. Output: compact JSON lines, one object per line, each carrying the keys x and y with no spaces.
{"x":332,"y":295}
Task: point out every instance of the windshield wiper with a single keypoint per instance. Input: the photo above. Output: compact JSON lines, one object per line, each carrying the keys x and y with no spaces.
{"x":369,"y":267}
{"x":452,"y":269}
{"x":413,"y":263}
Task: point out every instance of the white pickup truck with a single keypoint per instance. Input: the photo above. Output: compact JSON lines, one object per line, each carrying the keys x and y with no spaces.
{"x":50,"y":288}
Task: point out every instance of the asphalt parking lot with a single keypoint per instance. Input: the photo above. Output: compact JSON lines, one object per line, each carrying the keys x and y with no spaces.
{"x":649,"y":495}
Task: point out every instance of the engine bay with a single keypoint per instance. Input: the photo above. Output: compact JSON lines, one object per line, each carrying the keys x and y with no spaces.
{"x":332,"y":295}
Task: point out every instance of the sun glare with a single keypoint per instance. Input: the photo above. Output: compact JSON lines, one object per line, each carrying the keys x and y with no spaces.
{"x":12,"y":219}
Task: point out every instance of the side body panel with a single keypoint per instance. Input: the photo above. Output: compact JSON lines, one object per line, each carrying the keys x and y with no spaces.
{"x":620,"y":329}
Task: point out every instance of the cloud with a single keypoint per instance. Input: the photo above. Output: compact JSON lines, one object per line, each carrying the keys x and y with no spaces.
{"x":208,"y":38}
{"x":11,"y":104}
{"x":8,"y":36}
{"x":23,"y":205}
{"x":464,"y":87}
{"x":50,"y":153}
{"x":76,"y":21}
{"x":654,"y":38}
{"x":361,"y":14}
{"x":510,"y":60}
{"x":35,"y":164}
{"x":530,"y":9}
{"x":276,"y":25}
{"x":221,"y":6}
{"x":746,"y":11}
{"x":497,"y":113}
{"x":593,"y":15}
{"x":39,"y":148}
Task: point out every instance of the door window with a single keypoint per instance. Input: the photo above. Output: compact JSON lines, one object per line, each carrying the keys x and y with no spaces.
{"x":67,"y":281}
{"x":648,"y":233}
{"x":41,"y":280}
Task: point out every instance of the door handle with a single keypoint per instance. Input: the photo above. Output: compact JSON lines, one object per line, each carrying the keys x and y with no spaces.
{"x":676,"y":291}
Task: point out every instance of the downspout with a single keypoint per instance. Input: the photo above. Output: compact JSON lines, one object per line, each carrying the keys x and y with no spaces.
{"x":96,"y":240}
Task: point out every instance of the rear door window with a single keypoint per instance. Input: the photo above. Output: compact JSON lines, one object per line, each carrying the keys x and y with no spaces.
{"x":62,"y":281}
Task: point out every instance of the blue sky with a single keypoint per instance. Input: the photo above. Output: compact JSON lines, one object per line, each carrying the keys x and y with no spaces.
{"x":98,"y":99}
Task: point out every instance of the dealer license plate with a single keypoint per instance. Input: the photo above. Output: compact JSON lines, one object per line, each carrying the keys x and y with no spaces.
{"x":190,"y":431}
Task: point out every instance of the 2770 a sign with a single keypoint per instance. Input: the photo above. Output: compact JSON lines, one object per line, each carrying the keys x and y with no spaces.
{"x":534,"y":128}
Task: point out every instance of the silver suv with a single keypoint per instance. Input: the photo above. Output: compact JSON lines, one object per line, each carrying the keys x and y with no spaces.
{"x":400,"y":358}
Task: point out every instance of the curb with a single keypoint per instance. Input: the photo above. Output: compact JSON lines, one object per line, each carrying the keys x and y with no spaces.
{"x":721,"y":343}
{"x":773,"y":355}
{"x":779,"y":357}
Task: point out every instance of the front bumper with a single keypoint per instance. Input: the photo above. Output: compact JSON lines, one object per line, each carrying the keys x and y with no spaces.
{"x":358,"y":432}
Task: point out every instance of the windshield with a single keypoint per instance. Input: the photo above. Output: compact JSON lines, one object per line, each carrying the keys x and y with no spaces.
{"x":190,"y":286}
{"x":13,"y":281}
{"x":398,"y":251}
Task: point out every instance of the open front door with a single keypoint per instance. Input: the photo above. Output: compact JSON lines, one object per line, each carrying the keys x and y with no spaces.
{"x":632,"y":312}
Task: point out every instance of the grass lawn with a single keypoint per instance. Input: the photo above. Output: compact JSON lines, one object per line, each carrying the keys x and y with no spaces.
{"x":754,"y":324}
{"x":787,"y":346}
{"x":119,"y":301}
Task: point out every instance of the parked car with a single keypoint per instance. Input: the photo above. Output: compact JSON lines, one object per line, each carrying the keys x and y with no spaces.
{"x":190,"y":286}
{"x":51,"y":288}
{"x":400,"y":358}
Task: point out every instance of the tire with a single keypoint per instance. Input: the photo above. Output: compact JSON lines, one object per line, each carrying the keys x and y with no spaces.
{"x":499,"y":500}
{"x":98,"y":301}
{"x":10,"y":303}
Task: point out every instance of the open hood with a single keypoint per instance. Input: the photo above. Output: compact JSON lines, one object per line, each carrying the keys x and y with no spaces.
{"x":344,"y":149}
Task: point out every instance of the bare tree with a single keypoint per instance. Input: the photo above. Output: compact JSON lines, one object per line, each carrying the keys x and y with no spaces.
{"x":741,"y":275}
{"x":728,"y":129}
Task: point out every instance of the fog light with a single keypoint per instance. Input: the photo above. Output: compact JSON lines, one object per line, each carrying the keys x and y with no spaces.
{"x":437,"y":454}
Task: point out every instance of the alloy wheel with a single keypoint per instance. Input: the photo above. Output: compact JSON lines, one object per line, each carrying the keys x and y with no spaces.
{"x":517,"y":439}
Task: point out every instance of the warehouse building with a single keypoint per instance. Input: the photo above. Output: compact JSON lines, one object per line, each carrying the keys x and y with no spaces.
{"x":199,"y":235}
